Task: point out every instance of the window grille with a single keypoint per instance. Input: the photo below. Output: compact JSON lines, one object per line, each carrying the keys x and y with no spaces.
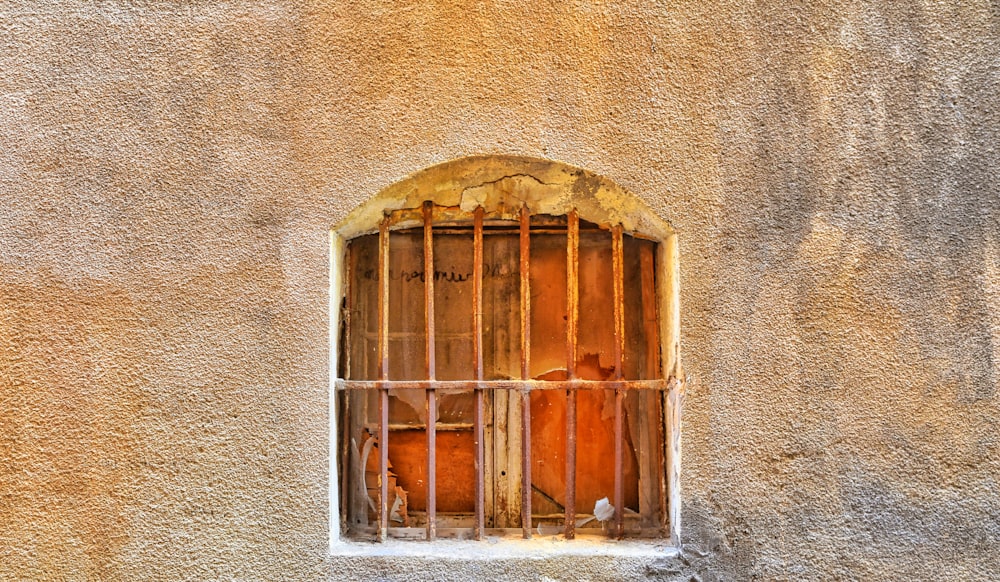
{"x":430,"y":221}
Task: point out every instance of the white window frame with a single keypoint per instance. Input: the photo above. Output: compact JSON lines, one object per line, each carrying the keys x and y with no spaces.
{"x":547,"y":187}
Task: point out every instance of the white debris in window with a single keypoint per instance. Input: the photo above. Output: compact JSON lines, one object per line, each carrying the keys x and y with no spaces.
{"x":603,"y":510}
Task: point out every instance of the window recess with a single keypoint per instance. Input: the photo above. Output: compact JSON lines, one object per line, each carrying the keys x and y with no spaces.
{"x":501,"y":374}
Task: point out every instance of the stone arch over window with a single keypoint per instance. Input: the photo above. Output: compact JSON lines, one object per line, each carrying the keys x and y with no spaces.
{"x":502,"y":190}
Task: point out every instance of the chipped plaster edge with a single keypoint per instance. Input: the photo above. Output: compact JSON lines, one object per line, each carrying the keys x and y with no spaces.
{"x":501,"y":184}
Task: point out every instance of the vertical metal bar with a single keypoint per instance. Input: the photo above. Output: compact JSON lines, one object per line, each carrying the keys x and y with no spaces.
{"x":650,"y":311}
{"x":477,"y":349}
{"x":431,"y":407}
{"x":618,"y":276}
{"x":344,"y":417}
{"x":662,"y":462}
{"x":383,"y":300}
{"x":572,"y":323}
{"x":347,"y":341}
{"x":383,"y":374}
{"x":618,"y":273}
{"x":346,"y":471}
{"x":525,"y":269}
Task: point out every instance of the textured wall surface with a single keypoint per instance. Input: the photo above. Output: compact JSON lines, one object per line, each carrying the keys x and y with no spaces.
{"x":169,"y":173}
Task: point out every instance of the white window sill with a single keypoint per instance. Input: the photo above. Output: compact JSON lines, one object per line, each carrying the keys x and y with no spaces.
{"x":497,"y":548}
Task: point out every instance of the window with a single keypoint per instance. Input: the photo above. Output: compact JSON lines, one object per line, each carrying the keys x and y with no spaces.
{"x":501,"y":370}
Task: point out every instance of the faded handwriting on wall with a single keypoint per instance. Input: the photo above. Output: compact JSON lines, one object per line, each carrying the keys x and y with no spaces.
{"x":448,"y":276}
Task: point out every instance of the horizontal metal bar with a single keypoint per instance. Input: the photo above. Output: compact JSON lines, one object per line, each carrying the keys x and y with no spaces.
{"x":462,"y":231}
{"x":453,"y":218}
{"x":526,"y":385}
{"x":459,"y":230}
{"x":556,"y":518}
{"x":591,"y":533}
{"x":459,"y":519}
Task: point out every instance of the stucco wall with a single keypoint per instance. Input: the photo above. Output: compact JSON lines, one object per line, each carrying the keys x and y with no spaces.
{"x":169,"y":173}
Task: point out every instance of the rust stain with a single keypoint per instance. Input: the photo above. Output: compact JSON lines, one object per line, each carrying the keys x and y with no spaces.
{"x":595,"y":444}
{"x":456,"y":473}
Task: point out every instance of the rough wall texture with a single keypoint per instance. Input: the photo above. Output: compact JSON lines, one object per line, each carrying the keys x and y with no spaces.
{"x":169,"y":173}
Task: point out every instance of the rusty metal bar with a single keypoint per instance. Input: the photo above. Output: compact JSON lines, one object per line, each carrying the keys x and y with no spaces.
{"x":383,"y":301}
{"x":383,"y":375}
{"x":347,"y":341}
{"x":535,"y":230}
{"x":346,"y":471}
{"x":650,"y":535}
{"x":526,"y":464}
{"x":404,"y":218}
{"x":431,"y":407}
{"x":454,"y":217}
{"x":343,"y":401}
{"x":479,"y":521}
{"x":618,"y":276}
{"x":662,"y":463}
{"x":429,"y":288}
{"x":525,"y":271}
{"x":618,"y":283}
{"x":451,"y":386}
{"x":572,"y":324}
{"x":572,"y":291}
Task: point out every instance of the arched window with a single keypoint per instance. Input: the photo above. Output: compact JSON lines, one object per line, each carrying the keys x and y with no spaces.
{"x":507,"y":354}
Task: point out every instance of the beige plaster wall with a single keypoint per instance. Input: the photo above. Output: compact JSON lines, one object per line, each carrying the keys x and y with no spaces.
{"x":169,"y":173}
